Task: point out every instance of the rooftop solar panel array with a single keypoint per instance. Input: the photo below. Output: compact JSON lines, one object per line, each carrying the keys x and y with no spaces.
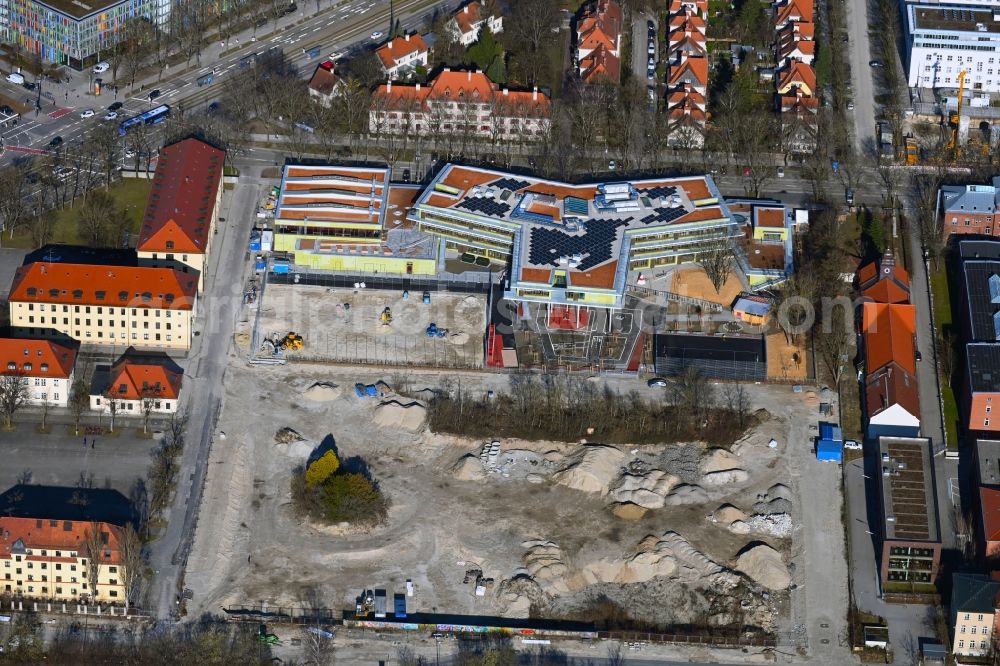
{"x":484,"y":206}
{"x":546,"y":246}
{"x":660,"y":191}
{"x":509,"y":183}
{"x":664,"y":215}
{"x":575,"y":205}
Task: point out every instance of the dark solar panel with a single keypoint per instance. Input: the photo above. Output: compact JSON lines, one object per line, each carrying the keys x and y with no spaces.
{"x":575,"y":205}
{"x":664,"y":215}
{"x":509,"y":183}
{"x":660,"y":191}
{"x":484,"y":206}
{"x":546,"y":246}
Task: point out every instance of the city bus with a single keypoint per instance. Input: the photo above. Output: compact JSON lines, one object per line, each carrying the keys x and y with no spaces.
{"x":156,"y":115}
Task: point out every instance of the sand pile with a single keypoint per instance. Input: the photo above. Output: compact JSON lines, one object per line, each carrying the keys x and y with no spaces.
{"x":322,"y":392}
{"x":629,"y":511}
{"x":780,"y":490}
{"x":544,"y":563}
{"x":764,"y":565}
{"x":287,"y":436}
{"x":686,"y":493}
{"x":694,"y":565}
{"x":403,"y":416}
{"x":468,"y":468}
{"x":724,"y":477}
{"x":647,"y":490}
{"x":720,"y":467}
{"x":591,"y":469}
{"x":727,"y":514}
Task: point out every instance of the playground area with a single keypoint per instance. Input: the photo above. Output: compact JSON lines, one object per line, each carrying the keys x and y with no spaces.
{"x":381,"y":327}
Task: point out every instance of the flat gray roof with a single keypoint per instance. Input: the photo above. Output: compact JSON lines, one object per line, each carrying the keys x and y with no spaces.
{"x":909,"y":509}
{"x":988,"y":461}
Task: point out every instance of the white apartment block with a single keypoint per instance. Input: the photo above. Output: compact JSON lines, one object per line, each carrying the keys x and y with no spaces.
{"x":942,"y":40}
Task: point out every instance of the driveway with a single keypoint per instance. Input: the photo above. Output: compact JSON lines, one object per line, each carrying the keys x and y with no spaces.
{"x":639,"y":45}
{"x":861,"y":76}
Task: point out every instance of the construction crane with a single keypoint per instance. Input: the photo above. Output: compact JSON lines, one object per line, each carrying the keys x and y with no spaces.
{"x":955,"y":119}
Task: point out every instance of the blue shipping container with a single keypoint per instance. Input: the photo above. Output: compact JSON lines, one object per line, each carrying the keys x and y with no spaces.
{"x":400,"y":605}
{"x":827,"y":449}
{"x":280,"y":268}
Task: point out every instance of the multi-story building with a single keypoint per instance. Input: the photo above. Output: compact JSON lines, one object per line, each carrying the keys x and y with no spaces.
{"x":349,"y":219}
{"x":598,"y":42}
{"x":105,"y":305}
{"x":75,"y":33}
{"x":973,"y":609}
{"x":909,"y":530}
{"x":466,"y":23}
{"x":183,"y":208}
{"x":969,"y":209}
{"x":460,"y":104}
{"x":687,"y":73}
{"x":51,"y":536}
{"x":45,"y":366}
{"x":134,"y":383}
{"x":402,"y":55}
{"x":942,"y":41}
{"x":979,"y":311}
{"x":795,"y":78}
{"x":573,"y":244}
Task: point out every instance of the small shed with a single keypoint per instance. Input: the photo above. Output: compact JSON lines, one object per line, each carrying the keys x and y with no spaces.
{"x":933,"y":653}
{"x":831,"y":431}
{"x":876,"y":636}
{"x":827,"y":449}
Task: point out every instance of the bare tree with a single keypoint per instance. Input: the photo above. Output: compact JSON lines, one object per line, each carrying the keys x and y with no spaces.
{"x":113,"y":407}
{"x":79,"y":401}
{"x":14,"y":208}
{"x":130,"y":569}
{"x":832,"y":337}
{"x":101,"y":219}
{"x":93,"y":548}
{"x":737,"y":399}
{"x":14,"y":393}
{"x":150,"y":397}
{"x":717,"y":263}
{"x":616,"y":654}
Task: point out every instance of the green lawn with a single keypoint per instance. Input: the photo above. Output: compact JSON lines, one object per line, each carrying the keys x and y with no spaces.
{"x":128,"y":192}
{"x":950,"y":417}
{"x":942,"y":298}
{"x":943,"y":320}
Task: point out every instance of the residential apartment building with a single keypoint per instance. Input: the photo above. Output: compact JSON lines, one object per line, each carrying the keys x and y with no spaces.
{"x":44,"y":532}
{"x":969,"y":209}
{"x":466,"y":23}
{"x":352,"y":219}
{"x":687,"y":73}
{"x":45,"y":366}
{"x":402,"y":55}
{"x":573,"y":244}
{"x":465,"y":104}
{"x":183,"y":208}
{"x":973,"y":616}
{"x":105,"y":305}
{"x":909,"y":530}
{"x":795,"y":77}
{"x":74,"y":33}
{"x":599,"y":41}
{"x":325,"y":84}
{"x":944,"y":40}
{"x":135,"y":382}
{"x":892,"y":404}
{"x":979,"y":311}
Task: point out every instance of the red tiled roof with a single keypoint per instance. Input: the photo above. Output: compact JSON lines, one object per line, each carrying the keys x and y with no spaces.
{"x":133,"y":379}
{"x":599,"y":25}
{"x":54,"y":537}
{"x":886,"y":291}
{"x":794,"y":10}
{"x":468,"y":16}
{"x":394,"y":50}
{"x":46,"y":359}
{"x":600,"y":63}
{"x":889,"y":330}
{"x":797,"y":74}
{"x":185,"y":187}
{"x":324,"y":80}
{"x":455,"y":86}
{"x":989,"y":500}
{"x":890,"y":386}
{"x":118,"y":286}
{"x":677,"y":6}
{"x":692,"y":70}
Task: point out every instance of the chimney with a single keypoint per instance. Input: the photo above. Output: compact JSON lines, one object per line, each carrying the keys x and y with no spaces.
{"x":465,"y":9}
{"x":888,"y":262}
{"x":407,"y":37}
{"x":534,"y":94}
{"x":469,"y":75}
{"x":506,"y":92}
{"x":388,"y":86}
{"x":418,"y":87}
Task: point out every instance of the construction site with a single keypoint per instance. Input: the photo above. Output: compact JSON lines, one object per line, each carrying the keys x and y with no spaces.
{"x":508,"y":527}
{"x":369,"y":326}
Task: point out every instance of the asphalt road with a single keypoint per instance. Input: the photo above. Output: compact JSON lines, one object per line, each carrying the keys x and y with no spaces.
{"x":861,"y":75}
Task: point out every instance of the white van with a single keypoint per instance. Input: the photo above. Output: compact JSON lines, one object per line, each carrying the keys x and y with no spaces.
{"x":15,"y":77}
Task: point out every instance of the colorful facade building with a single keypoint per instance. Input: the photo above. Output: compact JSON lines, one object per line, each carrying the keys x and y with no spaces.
{"x":75,"y":33}
{"x":969,"y":209}
{"x":183,"y":208}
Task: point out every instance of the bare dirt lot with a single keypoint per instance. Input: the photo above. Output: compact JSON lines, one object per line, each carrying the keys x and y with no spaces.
{"x":346,"y":325}
{"x":557,"y":525}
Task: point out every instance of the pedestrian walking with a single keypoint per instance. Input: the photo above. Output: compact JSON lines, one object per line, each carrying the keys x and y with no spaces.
{"x":84,"y":442}
{"x":93,"y":442}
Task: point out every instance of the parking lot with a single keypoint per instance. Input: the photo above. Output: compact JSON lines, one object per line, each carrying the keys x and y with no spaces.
{"x":59,"y":458}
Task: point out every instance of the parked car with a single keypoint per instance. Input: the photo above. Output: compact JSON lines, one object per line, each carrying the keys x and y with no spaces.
{"x":919,"y":356}
{"x":651,"y":49}
{"x":87,"y":113}
{"x":781,"y":172}
{"x":101,"y":67}
{"x":659,"y":382}
{"x":850,"y":106}
{"x":852,"y":444}
{"x":30,"y":85}
{"x":110,"y":115}
{"x":875,"y":63}
{"x":849,"y":196}
{"x":612,"y":165}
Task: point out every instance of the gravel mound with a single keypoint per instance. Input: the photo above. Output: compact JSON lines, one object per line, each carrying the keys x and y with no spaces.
{"x":395,"y":414}
{"x":719,"y":460}
{"x":591,"y":469}
{"x":780,"y":490}
{"x":724,"y":477}
{"x":322,"y":392}
{"x":775,"y":524}
{"x":765,"y":566}
{"x":468,"y":468}
{"x":647,"y":490}
{"x":727,"y":514}
{"x":686,"y":493}
{"x":777,"y":505}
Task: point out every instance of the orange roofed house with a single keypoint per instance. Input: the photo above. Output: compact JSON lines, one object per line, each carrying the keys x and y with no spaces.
{"x":892,"y":404}
{"x":50,"y":537}
{"x":598,"y":42}
{"x":402,"y":55}
{"x":183,"y":208}
{"x":46,"y":366}
{"x":456,"y":103}
{"x":135,"y":383}
{"x":466,"y":23}
{"x":687,"y":74}
{"x":105,"y":305}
